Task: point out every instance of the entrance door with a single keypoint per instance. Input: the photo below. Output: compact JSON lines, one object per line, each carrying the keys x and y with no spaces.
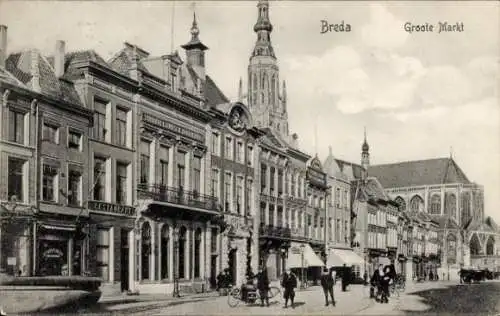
{"x":124,"y":246}
{"x":213,"y":272}
{"x":233,"y":265}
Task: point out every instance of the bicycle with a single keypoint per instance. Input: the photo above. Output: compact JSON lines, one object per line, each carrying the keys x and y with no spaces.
{"x":235,"y":296}
{"x":397,"y":286}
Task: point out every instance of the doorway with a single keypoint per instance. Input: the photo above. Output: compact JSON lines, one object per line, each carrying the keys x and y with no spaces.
{"x":233,"y":265}
{"x":213,"y":272}
{"x":124,"y":262}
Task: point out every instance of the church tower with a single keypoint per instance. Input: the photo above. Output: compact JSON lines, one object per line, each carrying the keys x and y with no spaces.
{"x":195,"y":51}
{"x":365,"y":157}
{"x":266,"y":102}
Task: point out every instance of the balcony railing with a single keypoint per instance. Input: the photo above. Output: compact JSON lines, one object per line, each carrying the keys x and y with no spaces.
{"x":273,"y":231}
{"x":162,"y":193}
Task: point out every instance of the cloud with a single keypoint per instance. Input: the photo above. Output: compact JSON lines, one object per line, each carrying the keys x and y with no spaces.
{"x":384,"y":30}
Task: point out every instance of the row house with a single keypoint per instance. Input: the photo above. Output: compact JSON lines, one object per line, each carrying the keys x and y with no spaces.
{"x":234,"y":149}
{"x":342,"y":243}
{"x":44,"y":148}
{"x":442,"y":192}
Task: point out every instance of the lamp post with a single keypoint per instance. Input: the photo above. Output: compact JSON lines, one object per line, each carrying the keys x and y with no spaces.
{"x":302,"y":249}
{"x":176,"y":292}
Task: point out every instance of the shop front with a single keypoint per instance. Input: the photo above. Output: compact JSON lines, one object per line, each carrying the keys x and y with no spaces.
{"x":274,"y":243}
{"x":338,"y":257}
{"x":111,"y":245}
{"x":304,"y":261}
{"x":238,"y":247}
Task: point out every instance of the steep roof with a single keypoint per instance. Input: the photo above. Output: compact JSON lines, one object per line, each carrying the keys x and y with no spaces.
{"x":213,"y":93}
{"x":6,"y":76}
{"x":351,"y":170}
{"x":332,"y":168}
{"x":420,"y":172}
{"x":26,"y":65}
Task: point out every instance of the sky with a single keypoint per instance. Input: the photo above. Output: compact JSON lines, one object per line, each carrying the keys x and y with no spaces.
{"x":420,"y":95}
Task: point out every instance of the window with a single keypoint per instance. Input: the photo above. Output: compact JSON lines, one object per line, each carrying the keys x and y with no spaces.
{"x":229,"y":148}
{"x":99,"y":179}
{"x":263,"y":213}
{"x":293,"y":221}
{"x":74,"y":187}
{"x":215,"y":144}
{"x":299,"y":220}
{"x":121,"y":126}
{"x":330,"y":229}
{"x":50,"y":133}
{"x":103,"y":253}
{"x":346,"y":194}
{"x":250,"y":156}
{"x":271,"y":215}
{"x":239,"y":152}
{"x":215,"y":183}
{"x":145,"y":148}
{"x":263,"y":177}
{"x":165,"y":238}
{"x":271,"y":186}
{"x":346,"y":231}
{"x":227,"y":192}
{"x":16,"y":126}
{"x":75,"y":140}
{"x":239,"y":195}
{"x":280,"y":181}
{"x":181,"y":170}
{"x":163,"y":153}
{"x":49,"y":183}
{"x":196,"y":174}
{"x":197,"y":253}
{"x":338,"y":231}
{"x":16,"y":179}
{"x":121,"y":183}
{"x":293,"y":190}
{"x":146,"y":250}
{"x":100,"y":110}
{"x":249,"y":197}
{"x":435,"y":204}
{"x":337,"y":197}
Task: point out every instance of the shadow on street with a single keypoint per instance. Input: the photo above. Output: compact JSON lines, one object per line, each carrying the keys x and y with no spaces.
{"x":471,"y":299}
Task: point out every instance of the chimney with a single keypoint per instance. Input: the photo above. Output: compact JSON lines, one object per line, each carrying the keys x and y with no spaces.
{"x":59,"y":58}
{"x":3,"y":45}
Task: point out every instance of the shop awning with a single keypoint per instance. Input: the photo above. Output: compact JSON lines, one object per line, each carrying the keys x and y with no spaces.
{"x":339,"y":257}
{"x":299,"y":251}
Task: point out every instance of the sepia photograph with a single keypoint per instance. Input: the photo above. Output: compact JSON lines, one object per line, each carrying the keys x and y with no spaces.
{"x":252,"y":157}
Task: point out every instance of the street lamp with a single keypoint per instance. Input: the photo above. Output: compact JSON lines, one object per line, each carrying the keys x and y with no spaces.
{"x":302,"y":249}
{"x":176,"y":292}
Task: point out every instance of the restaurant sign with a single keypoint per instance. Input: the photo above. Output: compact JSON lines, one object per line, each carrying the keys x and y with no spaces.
{"x":316,"y":176}
{"x":111,"y":208}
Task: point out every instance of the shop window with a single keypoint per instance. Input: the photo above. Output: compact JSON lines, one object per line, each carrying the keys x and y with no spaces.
{"x":165,"y":251}
{"x":103,"y":253}
{"x":197,"y":253}
{"x":16,"y":179}
{"x":181,"y":272}
{"x":145,"y":250}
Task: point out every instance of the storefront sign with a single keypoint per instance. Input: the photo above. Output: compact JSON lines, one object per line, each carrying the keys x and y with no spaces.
{"x":11,"y":261}
{"x":52,"y":253}
{"x":111,"y":208}
{"x":316,"y":176}
{"x":177,"y":129}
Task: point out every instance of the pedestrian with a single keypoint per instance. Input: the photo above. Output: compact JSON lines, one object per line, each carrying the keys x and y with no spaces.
{"x":263,"y":286}
{"x":220,"y":283}
{"x":365,"y":278}
{"x":381,"y":281}
{"x":345,"y":277}
{"x":327,"y":283}
{"x":289,"y":283}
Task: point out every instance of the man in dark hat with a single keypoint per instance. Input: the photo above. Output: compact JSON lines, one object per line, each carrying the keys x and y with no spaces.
{"x":263,"y":286}
{"x":327,"y":283}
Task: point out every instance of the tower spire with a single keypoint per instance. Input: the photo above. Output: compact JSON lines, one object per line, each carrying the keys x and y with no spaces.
{"x":195,"y":50}
{"x":263,"y":28}
{"x":365,"y":156}
{"x":240,"y":90}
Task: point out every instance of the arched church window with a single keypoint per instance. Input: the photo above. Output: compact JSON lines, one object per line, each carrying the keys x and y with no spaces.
{"x":451,"y":205}
{"x":401,"y":203}
{"x":490,"y":246}
{"x":465,"y":207}
{"x":416,"y":204}
{"x":475,"y":245}
{"x":435,"y":204}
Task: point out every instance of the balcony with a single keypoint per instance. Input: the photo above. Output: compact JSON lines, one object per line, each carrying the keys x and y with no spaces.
{"x":275,"y":232}
{"x":162,"y":193}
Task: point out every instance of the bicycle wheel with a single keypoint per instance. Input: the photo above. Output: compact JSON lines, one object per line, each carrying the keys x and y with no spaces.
{"x":234,"y":297}
{"x":274,"y":292}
